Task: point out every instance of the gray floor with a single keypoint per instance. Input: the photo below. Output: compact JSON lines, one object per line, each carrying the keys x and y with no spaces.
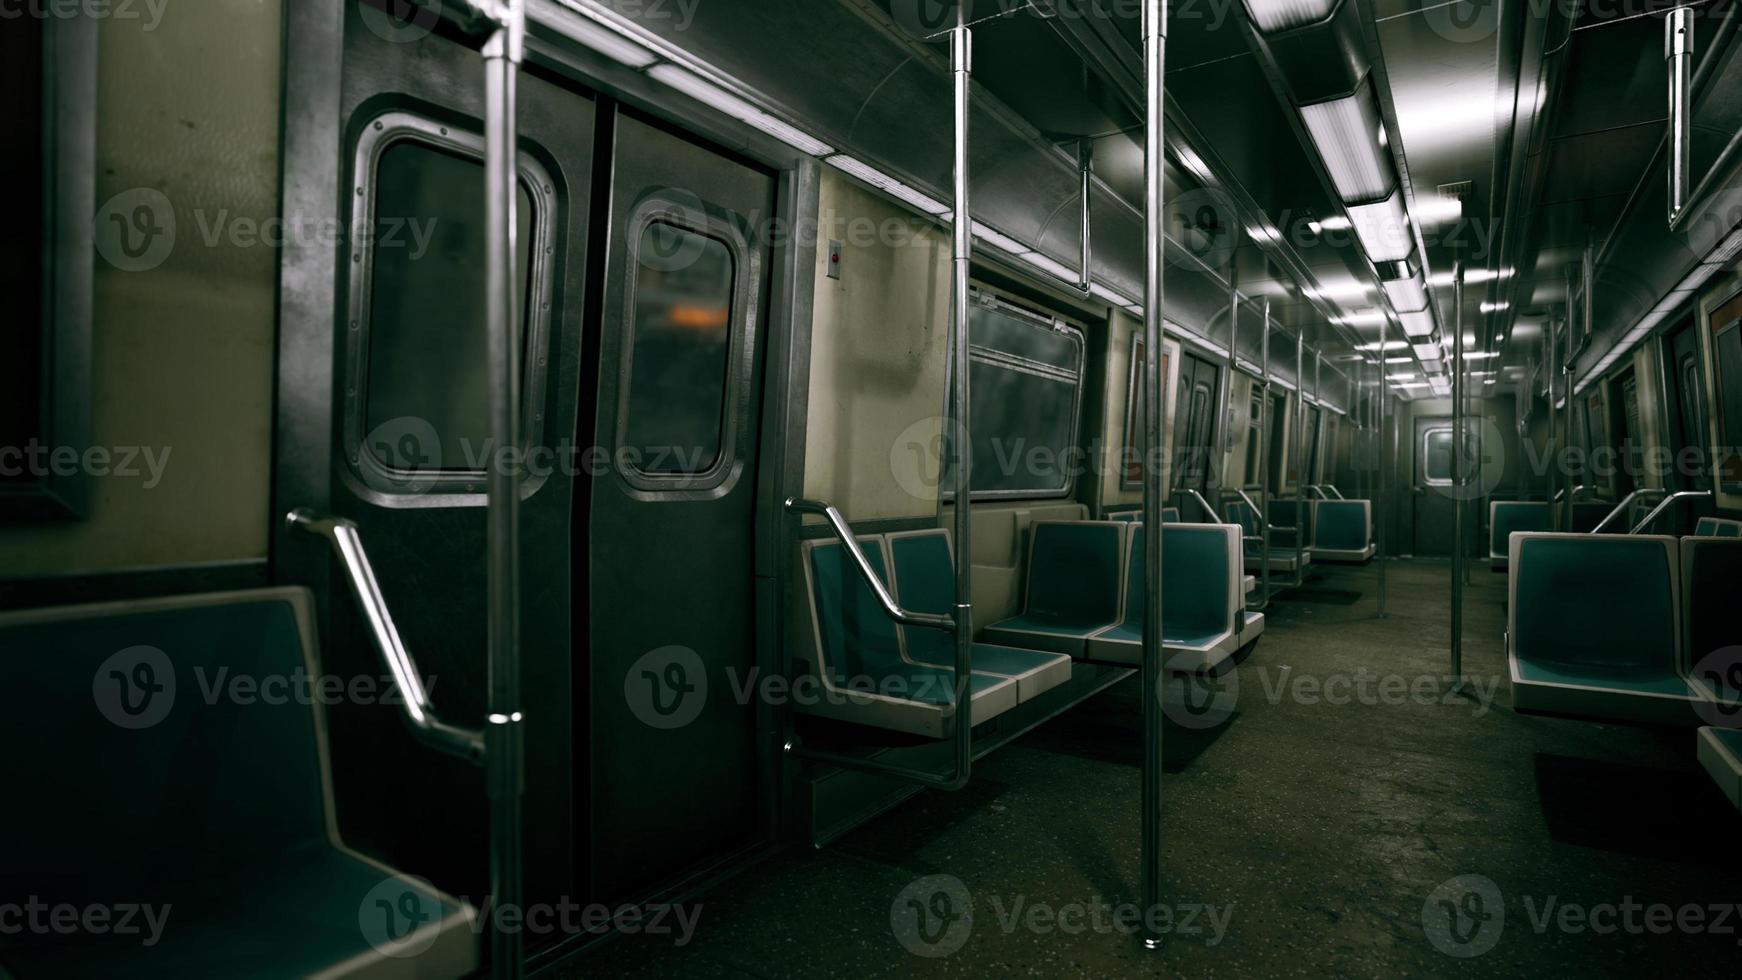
{"x":1323,"y":836}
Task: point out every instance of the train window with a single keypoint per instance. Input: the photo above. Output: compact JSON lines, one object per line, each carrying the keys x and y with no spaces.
{"x":1435,"y":464}
{"x":1726,"y":324}
{"x":1025,"y":374}
{"x":679,"y":350}
{"x":1254,"y":426}
{"x":417,"y":388}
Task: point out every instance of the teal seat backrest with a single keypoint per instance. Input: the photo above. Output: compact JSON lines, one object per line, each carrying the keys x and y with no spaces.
{"x":1587,"y":514}
{"x":1340,"y":524}
{"x":857,"y":639}
{"x":1194,"y":581}
{"x":925,"y":580}
{"x":1602,"y":601}
{"x":1073,"y":572}
{"x":1712,"y":578}
{"x":1717,"y":527}
{"x":1515,"y":515}
{"x":156,"y":743}
{"x":1282,"y":514}
{"x":1170,"y":515}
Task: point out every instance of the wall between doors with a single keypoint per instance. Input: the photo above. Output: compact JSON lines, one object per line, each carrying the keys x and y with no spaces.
{"x":878,"y":360}
{"x":181,"y":353}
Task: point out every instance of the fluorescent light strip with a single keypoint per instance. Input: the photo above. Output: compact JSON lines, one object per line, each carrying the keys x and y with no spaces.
{"x":1383,"y":228}
{"x":589,"y":33}
{"x":1417,"y":324}
{"x":1427,"y":352}
{"x":1271,"y":16}
{"x":1388,"y":345}
{"x":707,"y":93}
{"x":1407,"y":295}
{"x":999,"y":240}
{"x":1346,"y":132}
{"x":1496,"y":307}
{"x":1472,"y":277}
{"x":889,"y":185}
{"x":1364,"y":318}
{"x":1048,"y":265}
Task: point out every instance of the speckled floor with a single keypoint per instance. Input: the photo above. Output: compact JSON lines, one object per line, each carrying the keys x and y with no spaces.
{"x":1345,"y":820}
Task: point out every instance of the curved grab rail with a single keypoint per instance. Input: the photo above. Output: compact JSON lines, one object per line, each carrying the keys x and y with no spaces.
{"x":414,"y":703}
{"x":1621,"y":508}
{"x":1205,"y":504}
{"x":844,"y":535}
{"x":1663,"y":505}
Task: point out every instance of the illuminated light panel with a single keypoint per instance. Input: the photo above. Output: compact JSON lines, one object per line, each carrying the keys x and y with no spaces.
{"x":999,"y":240}
{"x":1435,"y":210}
{"x":1365,"y":318}
{"x":1417,"y":324}
{"x":1271,"y":16}
{"x":1427,"y":352}
{"x":593,"y":35}
{"x":1383,"y":228}
{"x":1496,"y":307}
{"x":1049,"y":265}
{"x":887,"y":184}
{"x":1096,"y":289}
{"x":1346,"y":132}
{"x":1335,"y":222}
{"x":1387,"y":345}
{"x":1340,"y":289}
{"x":1472,"y":277}
{"x":1407,"y":295}
{"x":707,"y":93}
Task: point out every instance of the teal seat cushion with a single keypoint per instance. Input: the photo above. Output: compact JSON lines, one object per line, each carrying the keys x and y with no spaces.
{"x":1717,"y":527}
{"x":1631,"y":682}
{"x":1171,"y":636}
{"x":1073,"y":577}
{"x":1340,"y":525}
{"x":1604,"y":602}
{"x":1034,"y":624}
{"x":1515,"y":515}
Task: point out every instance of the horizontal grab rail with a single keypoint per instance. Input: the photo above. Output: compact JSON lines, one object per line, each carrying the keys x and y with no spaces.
{"x":844,"y":534}
{"x":1621,"y":508}
{"x":1663,"y":505}
{"x":414,"y":704}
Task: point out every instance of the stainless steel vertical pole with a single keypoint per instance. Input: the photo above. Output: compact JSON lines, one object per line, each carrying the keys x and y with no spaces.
{"x":503,"y":748}
{"x":1261,"y":521}
{"x":1085,"y":154}
{"x":1678,"y":52}
{"x":1300,"y":476}
{"x":1551,"y":371}
{"x":1382,"y":516}
{"x":1459,"y":438}
{"x":1225,"y":423}
{"x":1154,"y":408}
{"x":961,"y":65}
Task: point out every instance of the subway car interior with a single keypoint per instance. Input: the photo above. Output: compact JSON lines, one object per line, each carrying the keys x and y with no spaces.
{"x":978,"y":488}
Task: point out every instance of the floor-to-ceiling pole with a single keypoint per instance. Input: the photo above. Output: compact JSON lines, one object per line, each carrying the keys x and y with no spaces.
{"x":503,"y":748}
{"x":1085,"y":156}
{"x":1382,"y":516}
{"x":961,"y":64}
{"x":1459,"y":466}
{"x":1300,"y":458}
{"x":1261,"y":520}
{"x":1154,"y":450}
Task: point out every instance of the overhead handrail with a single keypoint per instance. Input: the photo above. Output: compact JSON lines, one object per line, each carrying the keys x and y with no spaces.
{"x":1621,"y":508}
{"x":844,"y":534}
{"x":1331,"y":492}
{"x":1563,"y":492}
{"x":1663,"y":505}
{"x":414,"y":703}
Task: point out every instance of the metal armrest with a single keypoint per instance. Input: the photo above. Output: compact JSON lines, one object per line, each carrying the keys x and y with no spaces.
{"x":844,"y":535}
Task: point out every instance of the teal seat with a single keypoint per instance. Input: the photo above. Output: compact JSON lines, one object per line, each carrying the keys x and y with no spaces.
{"x":1711,"y":575}
{"x":201,"y":780}
{"x":1720,"y":754}
{"x":1594,"y":627}
{"x":1201,"y":598}
{"x":1341,"y":530}
{"x":1283,"y":517}
{"x":1072,"y":587}
{"x":1508,"y":516}
{"x":1282,"y":559}
{"x":858,"y":655}
{"x":1718,"y":527}
{"x":925,"y":582}
{"x":1169,"y":515}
